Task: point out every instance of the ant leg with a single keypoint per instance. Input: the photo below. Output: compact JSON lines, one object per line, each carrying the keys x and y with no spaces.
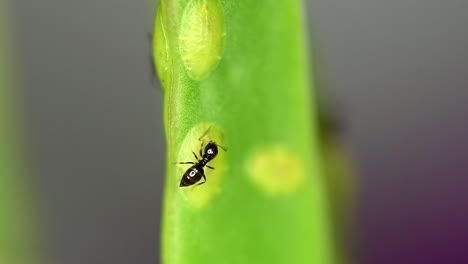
{"x":204,"y":134}
{"x":204,"y":177}
{"x":185,"y":162}
{"x":210,"y":167}
{"x":201,"y":155}
{"x":195,"y":155}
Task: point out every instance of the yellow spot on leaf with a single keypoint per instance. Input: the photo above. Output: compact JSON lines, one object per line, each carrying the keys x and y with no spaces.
{"x":201,"y":39}
{"x":275,"y":170}
{"x":161,"y":49}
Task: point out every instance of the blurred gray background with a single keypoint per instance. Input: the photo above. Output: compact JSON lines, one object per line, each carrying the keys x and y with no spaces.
{"x":395,"y":70}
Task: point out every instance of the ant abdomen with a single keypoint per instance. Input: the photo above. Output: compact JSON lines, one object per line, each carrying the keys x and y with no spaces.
{"x":192,"y":175}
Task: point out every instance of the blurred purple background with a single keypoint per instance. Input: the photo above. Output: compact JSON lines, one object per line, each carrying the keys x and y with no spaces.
{"x":399,"y":70}
{"x":395,"y":70}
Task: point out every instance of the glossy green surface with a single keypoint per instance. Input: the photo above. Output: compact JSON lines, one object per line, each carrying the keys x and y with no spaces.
{"x":259,"y":98}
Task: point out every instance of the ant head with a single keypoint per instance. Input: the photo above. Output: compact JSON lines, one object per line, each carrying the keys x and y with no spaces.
{"x":211,"y":149}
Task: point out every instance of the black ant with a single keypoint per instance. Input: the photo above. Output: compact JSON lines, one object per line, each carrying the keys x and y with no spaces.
{"x":196,"y":172}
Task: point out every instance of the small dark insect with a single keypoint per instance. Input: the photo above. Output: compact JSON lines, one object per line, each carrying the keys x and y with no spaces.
{"x":196,"y":172}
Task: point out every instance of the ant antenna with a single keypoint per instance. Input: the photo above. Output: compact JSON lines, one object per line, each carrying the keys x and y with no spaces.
{"x":204,"y":134}
{"x":224,"y":148}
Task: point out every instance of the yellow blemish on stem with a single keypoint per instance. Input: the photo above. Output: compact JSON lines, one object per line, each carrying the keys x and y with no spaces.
{"x":161,"y":52}
{"x":200,"y":196}
{"x":202,"y":37}
{"x":275,"y":170}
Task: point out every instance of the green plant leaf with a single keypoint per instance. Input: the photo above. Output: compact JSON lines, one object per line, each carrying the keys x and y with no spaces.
{"x":236,"y":72}
{"x":18,"y":243}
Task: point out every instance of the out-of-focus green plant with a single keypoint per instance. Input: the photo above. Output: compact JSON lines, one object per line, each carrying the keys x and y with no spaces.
{"x":236,"y":72}
{"x":341,"y":186}
{"x":17,"y":235}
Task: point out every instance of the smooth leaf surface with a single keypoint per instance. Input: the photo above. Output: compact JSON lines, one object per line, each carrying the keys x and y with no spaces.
{"x":265,"y":202}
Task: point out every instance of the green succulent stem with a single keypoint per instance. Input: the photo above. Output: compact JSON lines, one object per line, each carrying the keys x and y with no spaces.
{"x":18,"y":244}
{"x":236,"y":72}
